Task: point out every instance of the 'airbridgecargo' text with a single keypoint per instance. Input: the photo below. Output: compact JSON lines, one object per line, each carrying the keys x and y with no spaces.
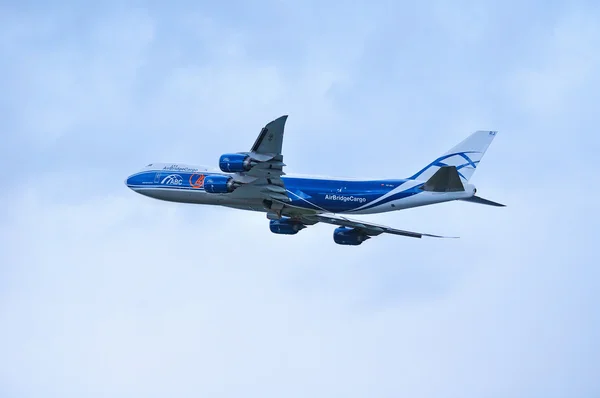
{"x":344,"y":198}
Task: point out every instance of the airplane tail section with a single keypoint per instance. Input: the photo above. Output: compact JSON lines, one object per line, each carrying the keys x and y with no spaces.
{"x":464,"y":157}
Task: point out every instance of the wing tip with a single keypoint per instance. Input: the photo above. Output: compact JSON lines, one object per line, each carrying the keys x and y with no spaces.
{"x":440,"y":236}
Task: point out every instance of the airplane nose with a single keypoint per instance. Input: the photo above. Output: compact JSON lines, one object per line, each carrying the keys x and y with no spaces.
{"x":138,"y":179}
{"x":128,"y":182}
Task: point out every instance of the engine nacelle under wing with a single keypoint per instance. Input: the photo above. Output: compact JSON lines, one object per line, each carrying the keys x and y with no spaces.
{"x":349,"y":236}
{"x":235,"y":163}
{"x":286,"y":226}
{"x":219,"y":184}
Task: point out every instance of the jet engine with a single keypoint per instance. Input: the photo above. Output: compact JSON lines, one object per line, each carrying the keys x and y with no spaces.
{"x":235,"y":163}
{"x":349,"y":236}
{"x":286,"y":226}
{"x":219,"y":184}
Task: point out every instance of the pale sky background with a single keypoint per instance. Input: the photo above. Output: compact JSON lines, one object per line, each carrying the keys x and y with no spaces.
{"x":106,"y":293}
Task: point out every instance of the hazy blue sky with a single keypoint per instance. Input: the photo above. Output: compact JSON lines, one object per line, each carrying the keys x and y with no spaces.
{"x":105,"y":293}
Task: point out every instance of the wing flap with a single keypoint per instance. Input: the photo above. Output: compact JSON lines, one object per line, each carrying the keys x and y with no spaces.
{"x":276,"y":189}
{"x":268,"y":169}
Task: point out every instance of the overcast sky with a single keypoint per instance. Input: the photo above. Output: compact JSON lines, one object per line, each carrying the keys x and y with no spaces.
{"x":106,"y":293}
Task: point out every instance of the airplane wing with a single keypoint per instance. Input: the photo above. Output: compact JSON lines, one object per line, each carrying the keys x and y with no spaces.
{"x":263,"y":180}
{"x":367,"y":228}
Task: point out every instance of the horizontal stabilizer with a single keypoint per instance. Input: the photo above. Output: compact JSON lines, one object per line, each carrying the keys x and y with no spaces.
{"x":446,"y":179}
{"x":482,"y":201}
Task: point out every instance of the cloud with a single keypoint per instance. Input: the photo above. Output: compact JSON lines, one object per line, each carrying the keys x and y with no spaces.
{"x":564,"y":68}
{"x":105,"y":292}
{"x":63,"y":83}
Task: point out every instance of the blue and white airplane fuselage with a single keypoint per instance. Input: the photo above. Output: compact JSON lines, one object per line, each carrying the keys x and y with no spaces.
{"x":255,"y":181}
{"x":185,"y":184}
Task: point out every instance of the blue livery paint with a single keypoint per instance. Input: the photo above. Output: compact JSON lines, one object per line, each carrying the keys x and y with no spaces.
{"x":218,"y":184}
{"x":161,"y":179}
{"x":286,"y":226}
{"x":349,"y":236}
{"x":335,"y":196}
{"x":438,"y":162}
{"x":234,"y":163}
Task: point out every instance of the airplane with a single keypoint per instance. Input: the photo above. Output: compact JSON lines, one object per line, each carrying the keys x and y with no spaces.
{"x":254,"y":180}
